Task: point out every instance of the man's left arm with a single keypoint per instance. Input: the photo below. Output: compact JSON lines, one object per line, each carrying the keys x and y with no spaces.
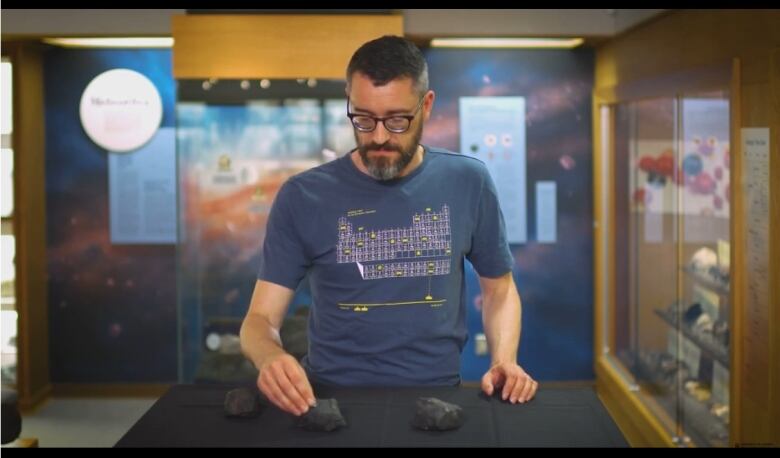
{"x":501,"y":318}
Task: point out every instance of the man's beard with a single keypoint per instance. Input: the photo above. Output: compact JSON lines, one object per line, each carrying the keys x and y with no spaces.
{"x":387,"y":168}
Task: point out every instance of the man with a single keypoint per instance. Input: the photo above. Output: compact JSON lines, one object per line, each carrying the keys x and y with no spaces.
{"x":383,"y":232}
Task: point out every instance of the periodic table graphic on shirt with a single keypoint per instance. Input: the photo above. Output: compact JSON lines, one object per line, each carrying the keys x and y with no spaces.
{"x":422,"y":249}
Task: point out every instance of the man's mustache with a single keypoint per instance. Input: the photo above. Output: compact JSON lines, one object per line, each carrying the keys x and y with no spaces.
{"x":382,"y":147}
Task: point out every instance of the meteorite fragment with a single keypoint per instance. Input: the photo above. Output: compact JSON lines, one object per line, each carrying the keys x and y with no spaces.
{"x":242,"y":402}
{"x":436,"y":415}
{"x":325,"y":416}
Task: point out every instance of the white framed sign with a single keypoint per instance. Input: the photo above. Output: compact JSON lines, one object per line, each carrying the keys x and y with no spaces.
{"x":120,"y":110}
{"x":492,"y":129}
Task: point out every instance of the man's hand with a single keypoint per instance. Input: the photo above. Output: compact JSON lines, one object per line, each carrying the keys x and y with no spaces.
{"x":283,"y":381}
{"x":518,"y":386}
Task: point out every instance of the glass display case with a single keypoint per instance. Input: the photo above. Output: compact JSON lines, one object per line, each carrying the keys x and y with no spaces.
{"x":669,"y":324}
{"x":237,"y":142}
{"x":8,"y":310}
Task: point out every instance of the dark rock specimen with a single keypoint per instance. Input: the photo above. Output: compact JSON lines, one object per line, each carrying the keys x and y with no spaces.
{"x":325,"y":416}
{"x":436,"y":415}
{"x":242,"y":402}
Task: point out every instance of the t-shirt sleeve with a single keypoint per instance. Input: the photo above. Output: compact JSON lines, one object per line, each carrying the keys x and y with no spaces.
{"x":283,"y":259}
{"x":490,"y":254}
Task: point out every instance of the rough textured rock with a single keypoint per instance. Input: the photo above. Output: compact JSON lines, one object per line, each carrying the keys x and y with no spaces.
{"x":325,"y":416}
{"x":242,"y":402}
{"x":436,"y":415}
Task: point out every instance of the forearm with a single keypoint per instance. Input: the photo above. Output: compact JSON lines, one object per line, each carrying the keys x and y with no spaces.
{"x":501,"y":317}
{"x":259,"y":339}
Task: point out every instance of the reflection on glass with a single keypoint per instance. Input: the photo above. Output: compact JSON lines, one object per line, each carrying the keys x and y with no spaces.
{"x":6,"y":98}
{"x":705,"y":249}
{"x":339,"y":138}
{"x":236,"y":146}
{"x":7,"y":239}
{"x":8,"y":352}
{"x":645,"y":218}
{"x":6,"y":182}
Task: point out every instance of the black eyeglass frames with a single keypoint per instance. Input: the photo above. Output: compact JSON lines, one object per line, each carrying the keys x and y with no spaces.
{"x":396,"y":124}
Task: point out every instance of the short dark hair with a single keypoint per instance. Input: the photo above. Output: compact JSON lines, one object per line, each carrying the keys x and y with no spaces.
{"x":388,"y":58}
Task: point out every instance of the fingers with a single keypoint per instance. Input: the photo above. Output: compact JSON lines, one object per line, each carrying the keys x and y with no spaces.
{"x":271,"y":389}
{"x":284,"y":383}
{"x":518,"y":386}
{"x":524,"y":389}
{"x":297,"y":376}
{"x":512,"y":387}
{"x":492,"y":379}
{"x":487,"y":384}
{"x":529,"y":391}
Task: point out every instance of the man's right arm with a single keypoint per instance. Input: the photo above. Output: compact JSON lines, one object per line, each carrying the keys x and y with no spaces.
{"x":281,"y":379}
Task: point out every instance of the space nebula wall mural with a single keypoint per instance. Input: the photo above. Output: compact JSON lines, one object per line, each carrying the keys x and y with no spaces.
{"x":113,"y":304}
{"x":554,"y":279}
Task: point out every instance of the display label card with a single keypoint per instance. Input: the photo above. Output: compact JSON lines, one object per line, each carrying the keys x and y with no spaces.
{"x":546,"y":212}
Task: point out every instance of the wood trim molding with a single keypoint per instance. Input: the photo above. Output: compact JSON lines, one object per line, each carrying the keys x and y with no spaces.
{"x":34,"y":400}
{"x":774,"y":247}
{"x":273,"y":45}
{"x":30,"y":222}
{"x":599,"y":272}
{"x":712,"y":77}
{"x":736,"y":293}
{"x":640,"y":427}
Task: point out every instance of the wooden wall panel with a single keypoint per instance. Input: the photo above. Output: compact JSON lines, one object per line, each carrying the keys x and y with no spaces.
{"x":774,"y":258}
{"x":32,"y":304}
{"x":273,"y":46}
{"x":689,"y":40}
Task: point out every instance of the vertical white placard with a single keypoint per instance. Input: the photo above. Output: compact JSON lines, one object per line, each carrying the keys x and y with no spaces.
{"x":546,"y":212}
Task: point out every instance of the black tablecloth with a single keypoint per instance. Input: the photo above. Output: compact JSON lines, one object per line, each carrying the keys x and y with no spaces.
{"x":193,"y":416}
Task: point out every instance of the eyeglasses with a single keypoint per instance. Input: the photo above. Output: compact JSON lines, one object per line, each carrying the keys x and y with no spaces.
{"x":396,"y":124}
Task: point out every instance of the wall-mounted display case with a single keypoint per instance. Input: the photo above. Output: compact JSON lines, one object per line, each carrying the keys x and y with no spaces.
{"x":671,"y":323}
{"x":665,"y":308}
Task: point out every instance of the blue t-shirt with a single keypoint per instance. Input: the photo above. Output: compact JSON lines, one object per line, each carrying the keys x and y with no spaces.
{"x":385,"y":265}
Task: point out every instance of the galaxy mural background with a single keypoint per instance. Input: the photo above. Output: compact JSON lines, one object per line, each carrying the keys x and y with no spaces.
{"x":555,"y":280}
{"x":113,"y":308}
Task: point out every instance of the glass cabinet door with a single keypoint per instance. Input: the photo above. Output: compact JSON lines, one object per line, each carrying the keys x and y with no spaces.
{"x":703,"y":312}
{"x":670,"y":329}
{"x":237,"y":142}
{"x":646,"y":274}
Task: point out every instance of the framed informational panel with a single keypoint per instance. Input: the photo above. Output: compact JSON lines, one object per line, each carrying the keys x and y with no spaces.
{"x":492,"y":129}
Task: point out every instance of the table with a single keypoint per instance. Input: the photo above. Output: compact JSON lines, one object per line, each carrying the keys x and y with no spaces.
{"x":193,"y":416}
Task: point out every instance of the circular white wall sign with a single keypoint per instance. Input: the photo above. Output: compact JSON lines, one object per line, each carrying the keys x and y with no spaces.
{"x":120,"y":110}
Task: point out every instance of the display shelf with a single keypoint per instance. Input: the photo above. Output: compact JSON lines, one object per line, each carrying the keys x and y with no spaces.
{"x":706,"y":282}
{"x":707,"y":344}
{"x":699,"y":423}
